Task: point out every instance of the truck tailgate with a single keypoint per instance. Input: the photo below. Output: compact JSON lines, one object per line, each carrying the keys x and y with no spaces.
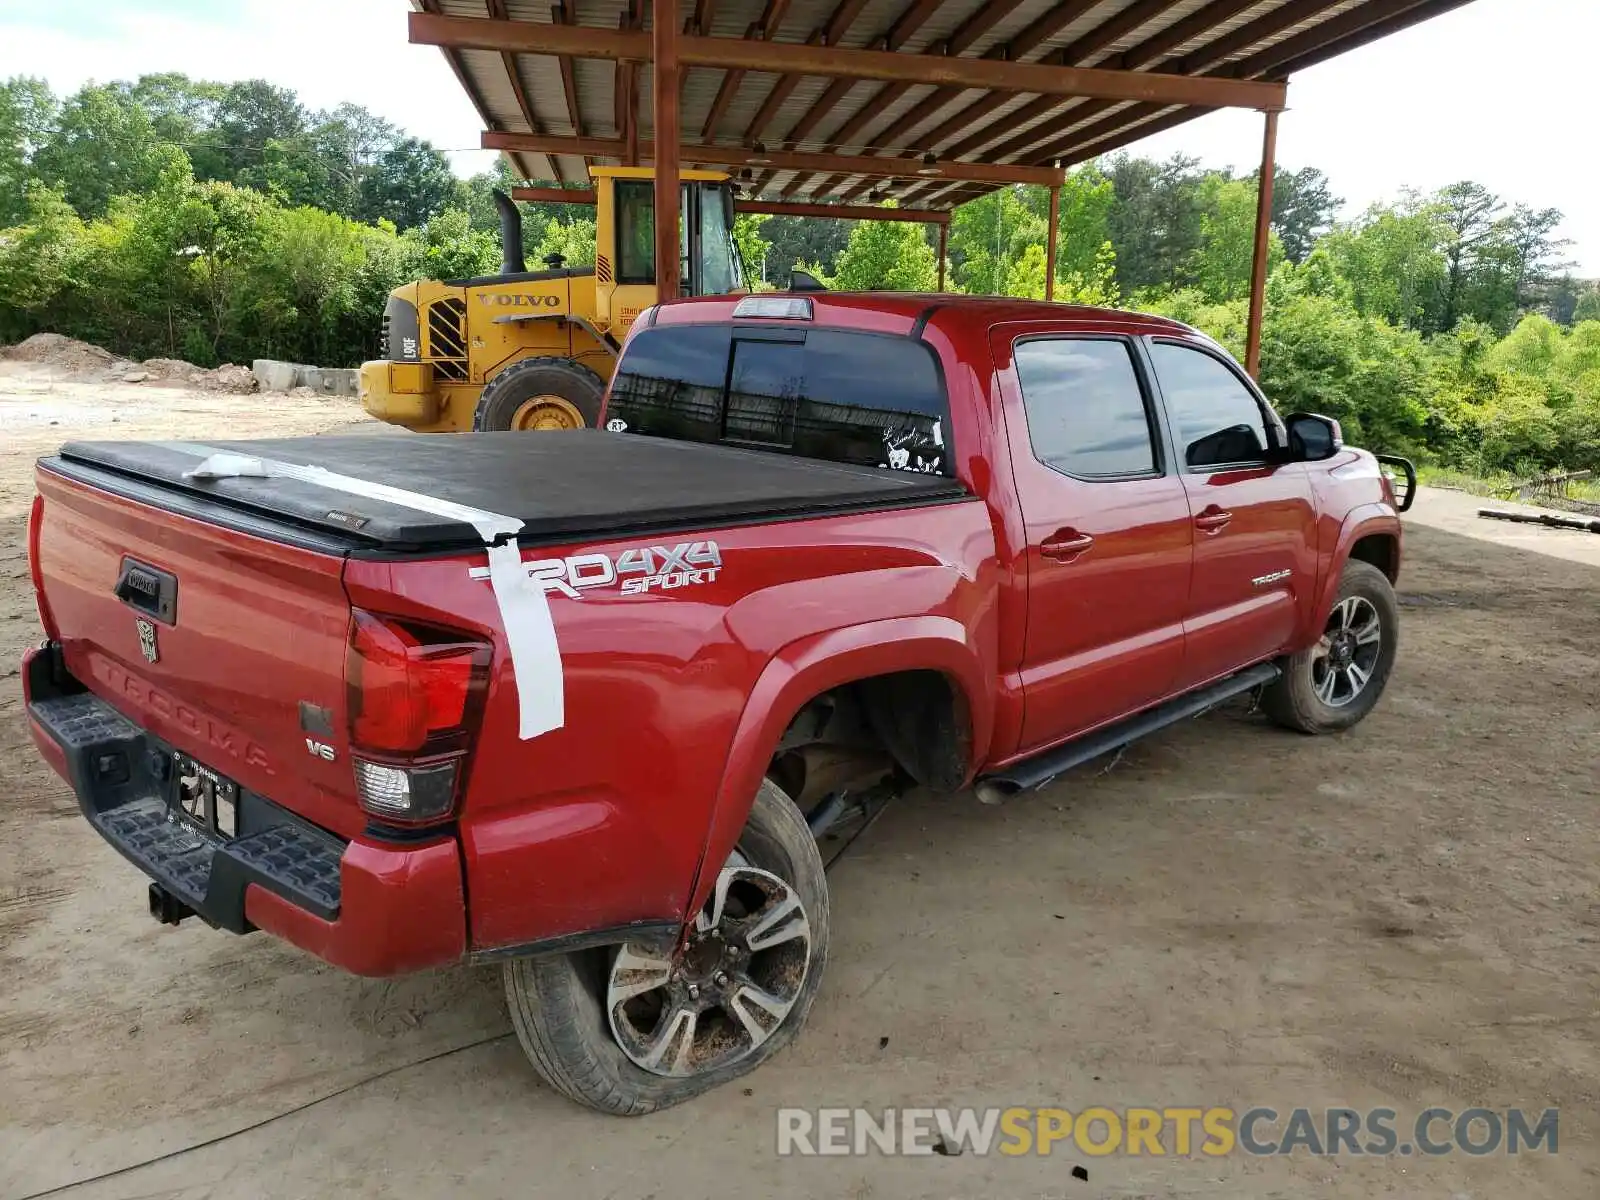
{"x":227,"y":645}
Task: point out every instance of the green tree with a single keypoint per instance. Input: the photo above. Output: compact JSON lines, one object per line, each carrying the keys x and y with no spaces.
{"x":1222,"y":262}
{"x":104,"y":145}
{"x":753,"y":248}
{"x":1156,"y":224}
{"x":1393,"y":260}
{"x":247,"y":116}
{"x":409,"y":184}
{"x":27,"y":111}
{"x":988,"y":237}
{"x":574,"y":241}
{"x":1303,"y":207}
{"x":888,"y":255}
{"x":38,"y":259}
{"x":799,"y":240}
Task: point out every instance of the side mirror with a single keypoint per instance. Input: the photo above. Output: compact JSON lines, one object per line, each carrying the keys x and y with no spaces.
{"x":805,"y":281}
{"x":1313,"y":438}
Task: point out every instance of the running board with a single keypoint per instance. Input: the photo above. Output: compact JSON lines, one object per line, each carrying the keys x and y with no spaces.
{"x":1039,"y":770}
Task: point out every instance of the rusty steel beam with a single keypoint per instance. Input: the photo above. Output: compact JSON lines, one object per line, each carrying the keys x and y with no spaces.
{"x":899,"y":31}
{"x":1044,"y":27}
{"x":664,"y":79}
{"x":828,"y":34}
{"x":1055,"y":139}
{"x":1141,"y":55}
{"x":726,"y":91}
{"x":481,"y":33}
{"x":550,"y":195}
{"x":1371,"y":34}
{"x":474,"y":97}
{"x":1358,"y":26}
{"x":1258,"y":264}
{"x":963,"y":39}
{"x":520,"y":92}
{"x":843,"y":212}
{"x":1206,"y":57}
{"x":782,"y":88}
{"x":761,"y":30}
{"x":565,"y":13}
{"x":1050,"y":244}
{"x":779,"y":160}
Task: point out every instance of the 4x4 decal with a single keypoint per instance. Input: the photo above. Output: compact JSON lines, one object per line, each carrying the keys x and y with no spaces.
{"x":634,"y":571}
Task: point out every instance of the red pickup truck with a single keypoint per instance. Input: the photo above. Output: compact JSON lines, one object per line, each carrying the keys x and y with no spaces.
{"x":583,"y":704}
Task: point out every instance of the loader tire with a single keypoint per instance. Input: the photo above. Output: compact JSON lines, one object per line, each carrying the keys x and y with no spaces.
{"x":540,"y":394}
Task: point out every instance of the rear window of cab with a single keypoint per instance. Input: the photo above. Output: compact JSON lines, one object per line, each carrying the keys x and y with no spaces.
{"x":871,"y":400}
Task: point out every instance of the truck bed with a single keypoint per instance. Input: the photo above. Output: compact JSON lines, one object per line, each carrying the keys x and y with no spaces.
{"x":563,"y":486}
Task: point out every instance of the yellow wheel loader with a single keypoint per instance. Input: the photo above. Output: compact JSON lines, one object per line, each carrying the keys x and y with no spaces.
{"x":530,"y":350}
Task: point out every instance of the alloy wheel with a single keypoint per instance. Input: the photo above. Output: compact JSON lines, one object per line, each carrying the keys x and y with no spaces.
{"x":1345,"y":657}
{"x":726,"y":991}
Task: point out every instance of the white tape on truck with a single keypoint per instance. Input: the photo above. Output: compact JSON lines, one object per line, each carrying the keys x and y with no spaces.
{"x":524,"y":609}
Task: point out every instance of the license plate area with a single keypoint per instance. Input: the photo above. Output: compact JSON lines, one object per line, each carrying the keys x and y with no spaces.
{"x":204,"y":798}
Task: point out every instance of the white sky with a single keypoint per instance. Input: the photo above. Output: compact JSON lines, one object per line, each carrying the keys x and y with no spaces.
{"x":1500,"y":91}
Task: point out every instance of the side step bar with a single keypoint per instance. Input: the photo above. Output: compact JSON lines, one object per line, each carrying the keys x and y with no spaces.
{"x":1039,"y":770}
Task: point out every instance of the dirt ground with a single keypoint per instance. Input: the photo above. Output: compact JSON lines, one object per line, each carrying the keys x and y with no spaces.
{"x":1406,"y":915}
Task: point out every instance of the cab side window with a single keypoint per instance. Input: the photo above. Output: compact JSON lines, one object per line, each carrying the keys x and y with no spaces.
{"x":1086,"y":409}
{"x":1215,"y":418}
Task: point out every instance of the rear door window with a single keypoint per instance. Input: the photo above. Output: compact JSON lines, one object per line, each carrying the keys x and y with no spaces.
{"x":865,"y":399}
{"x":1085,"y":408}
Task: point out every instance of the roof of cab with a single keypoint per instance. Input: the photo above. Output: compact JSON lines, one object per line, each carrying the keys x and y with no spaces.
{"x":899,"y":312}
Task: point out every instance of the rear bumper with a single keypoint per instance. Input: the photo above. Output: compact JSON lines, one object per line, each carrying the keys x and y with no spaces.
{"x":370,"y":907}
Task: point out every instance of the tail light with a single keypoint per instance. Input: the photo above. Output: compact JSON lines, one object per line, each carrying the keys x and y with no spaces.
{"x":35,"y":532}
{"x":415,"y":700}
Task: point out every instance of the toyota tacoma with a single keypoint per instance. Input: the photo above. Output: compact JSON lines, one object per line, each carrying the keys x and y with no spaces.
{"x":583,"y":704}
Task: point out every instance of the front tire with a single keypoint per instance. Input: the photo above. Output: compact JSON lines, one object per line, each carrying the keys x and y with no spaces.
{"x":540,"y":394}
{"x":617,"y":1029}
{"x":1334,"y":683}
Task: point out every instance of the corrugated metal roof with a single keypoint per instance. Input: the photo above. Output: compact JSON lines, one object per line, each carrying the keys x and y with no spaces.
{"x":1230,"y":38}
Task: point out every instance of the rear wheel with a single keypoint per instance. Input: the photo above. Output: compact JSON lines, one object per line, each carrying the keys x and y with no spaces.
{"x":631,"y":1029}
{"x":540,"y":394}
{"x":1335,"y":682}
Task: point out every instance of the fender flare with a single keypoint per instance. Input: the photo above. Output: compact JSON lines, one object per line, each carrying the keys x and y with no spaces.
{"x":811,"y":665}
{"x":1361,"y":521}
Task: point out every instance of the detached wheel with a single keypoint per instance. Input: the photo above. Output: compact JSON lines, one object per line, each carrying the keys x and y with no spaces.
{"x":540,"y":394}
{"x":631,"y":1029}
{"x":1334,"y":683}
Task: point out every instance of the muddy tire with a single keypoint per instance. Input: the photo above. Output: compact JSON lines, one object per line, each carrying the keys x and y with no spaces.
{"x":1334,"y":683}
{"x":605,"y":1027}
{"x":540,"y":394}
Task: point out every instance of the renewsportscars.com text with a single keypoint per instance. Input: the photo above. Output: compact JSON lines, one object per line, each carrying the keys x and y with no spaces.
{"x":1178,"y":1131}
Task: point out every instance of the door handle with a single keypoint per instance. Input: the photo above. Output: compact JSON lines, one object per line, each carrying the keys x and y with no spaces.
{"x":1064,"y":545}
{"x":1212,"y":519}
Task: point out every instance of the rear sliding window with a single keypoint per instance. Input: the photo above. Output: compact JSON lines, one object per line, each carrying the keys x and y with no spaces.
{"x":866,"y":399}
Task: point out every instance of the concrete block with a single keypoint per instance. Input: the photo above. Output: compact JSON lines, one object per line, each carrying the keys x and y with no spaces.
{"x":275,"y":376}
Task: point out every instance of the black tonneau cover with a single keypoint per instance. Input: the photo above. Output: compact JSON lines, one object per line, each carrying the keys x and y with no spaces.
{"x":565,"y":486}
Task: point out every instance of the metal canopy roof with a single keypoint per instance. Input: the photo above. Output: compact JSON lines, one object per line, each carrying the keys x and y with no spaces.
{"x":938,"y":89}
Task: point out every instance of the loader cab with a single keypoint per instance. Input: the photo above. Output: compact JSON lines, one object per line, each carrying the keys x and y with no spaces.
{"x":625,"y":254}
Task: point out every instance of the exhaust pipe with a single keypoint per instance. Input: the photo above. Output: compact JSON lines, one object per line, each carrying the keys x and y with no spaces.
{"x":510,"y":235}
{"x":167,"y":908}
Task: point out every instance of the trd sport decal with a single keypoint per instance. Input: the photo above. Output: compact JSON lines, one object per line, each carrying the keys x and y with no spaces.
{"x":641,"y":569}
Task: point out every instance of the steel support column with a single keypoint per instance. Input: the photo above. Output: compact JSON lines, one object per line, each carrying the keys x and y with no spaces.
{"x":944,"y":241}
{"x":664,"y":73}
{"x":1050,"y":245}
{"x":1258,"y":268}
